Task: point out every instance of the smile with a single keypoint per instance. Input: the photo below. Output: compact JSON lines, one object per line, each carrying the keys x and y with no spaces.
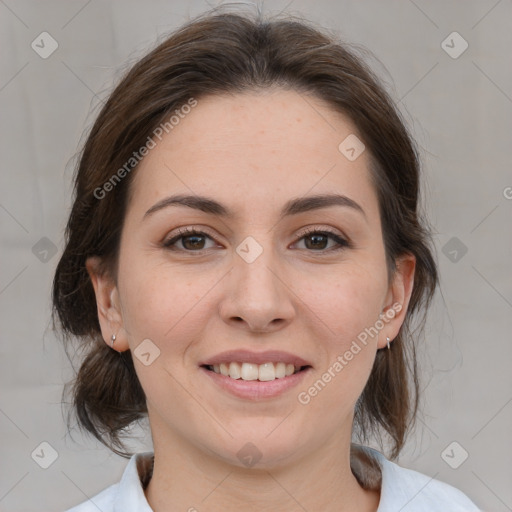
{"x":256,"y":389}
{"x":249,"y":371}
{"x":254,"y":375}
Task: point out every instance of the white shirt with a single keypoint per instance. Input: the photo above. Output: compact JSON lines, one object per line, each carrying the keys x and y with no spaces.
{"x":402,"y":490}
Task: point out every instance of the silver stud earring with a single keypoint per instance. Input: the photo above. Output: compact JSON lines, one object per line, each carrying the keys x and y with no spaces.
{"x":112,"y":339}
{"x":388,"y":340}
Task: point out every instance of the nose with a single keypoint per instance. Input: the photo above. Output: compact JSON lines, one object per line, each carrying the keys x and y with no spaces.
{"x":257,"y":296}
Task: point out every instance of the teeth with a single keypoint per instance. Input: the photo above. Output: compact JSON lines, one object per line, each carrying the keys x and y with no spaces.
{"x":234,"y":371}
{"x":249,"y":371}
{"x":266,"y":372}
{"x":289,"y":369}
{"x":280,"y":370}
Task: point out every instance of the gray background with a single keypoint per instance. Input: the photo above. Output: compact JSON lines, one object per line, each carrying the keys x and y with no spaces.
{"x":460,"y":111}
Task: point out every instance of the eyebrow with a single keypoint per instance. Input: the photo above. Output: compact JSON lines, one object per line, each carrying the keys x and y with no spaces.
{"x":292,"y":207}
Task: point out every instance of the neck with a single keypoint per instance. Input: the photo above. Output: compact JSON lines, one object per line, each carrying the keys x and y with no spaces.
{"x":186,"y":478}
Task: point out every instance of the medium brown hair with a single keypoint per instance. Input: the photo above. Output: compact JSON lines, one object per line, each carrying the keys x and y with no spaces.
{"x":218,"y":53}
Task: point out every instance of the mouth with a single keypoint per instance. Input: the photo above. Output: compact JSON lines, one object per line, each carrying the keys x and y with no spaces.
{"x":255,"y":376}
{"x":265,"y":372}
{"x":256,"y":382}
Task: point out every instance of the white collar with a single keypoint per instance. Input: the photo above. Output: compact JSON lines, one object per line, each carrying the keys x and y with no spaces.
{"x":399,"y":487}
{"x":130,"y":491}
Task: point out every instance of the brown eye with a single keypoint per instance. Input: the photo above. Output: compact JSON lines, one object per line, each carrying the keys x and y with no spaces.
{"x":191,"y":241}
{"x":318,"y":241}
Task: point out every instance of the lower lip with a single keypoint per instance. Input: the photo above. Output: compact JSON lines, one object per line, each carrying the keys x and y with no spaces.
{"x":255,"y":389}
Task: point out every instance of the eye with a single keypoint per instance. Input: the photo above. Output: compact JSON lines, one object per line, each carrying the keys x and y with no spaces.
{"x":192,"y":240}
{"x":316,"y":240}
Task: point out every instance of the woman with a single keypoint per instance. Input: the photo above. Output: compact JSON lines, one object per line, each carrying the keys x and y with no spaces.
{"x":244,"y":260}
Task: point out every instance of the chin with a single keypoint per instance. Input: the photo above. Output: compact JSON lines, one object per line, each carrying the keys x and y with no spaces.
{"x":259,"y":452}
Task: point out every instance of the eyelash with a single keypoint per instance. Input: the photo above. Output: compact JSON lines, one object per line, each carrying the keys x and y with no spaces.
{"x":184,"y":232}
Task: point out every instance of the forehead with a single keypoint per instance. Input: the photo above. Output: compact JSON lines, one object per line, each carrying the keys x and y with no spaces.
{"x":262,"y":119}
{"x":250,"y":146}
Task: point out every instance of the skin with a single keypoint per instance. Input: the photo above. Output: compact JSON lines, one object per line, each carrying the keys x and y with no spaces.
{"x":252,"y":152}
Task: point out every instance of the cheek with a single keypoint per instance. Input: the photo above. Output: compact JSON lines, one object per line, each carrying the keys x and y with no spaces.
{"x":348,"y":304}
{"x":155,"y":297}
{"x":346,"y":301}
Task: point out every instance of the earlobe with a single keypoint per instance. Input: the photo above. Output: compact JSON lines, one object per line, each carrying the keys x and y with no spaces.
{"x":107,"y":301}
{"x":398,"y":297}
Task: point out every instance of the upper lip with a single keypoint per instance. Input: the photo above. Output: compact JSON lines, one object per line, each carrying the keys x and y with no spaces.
{"x":248,"y":356}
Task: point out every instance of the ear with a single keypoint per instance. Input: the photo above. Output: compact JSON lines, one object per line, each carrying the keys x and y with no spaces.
{"x":397,"y":300}
{"x":107,"y":301}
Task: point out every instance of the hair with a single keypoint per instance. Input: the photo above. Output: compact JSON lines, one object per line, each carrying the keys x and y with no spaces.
{"x":229,"y":53}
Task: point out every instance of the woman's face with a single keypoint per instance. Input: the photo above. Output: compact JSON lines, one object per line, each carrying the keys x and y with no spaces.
{"x":283,"y":278}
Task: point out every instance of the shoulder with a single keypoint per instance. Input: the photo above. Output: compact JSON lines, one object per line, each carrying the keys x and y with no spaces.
{"x":103,"y":501}
{"x":127,"y":495}
{"x":411,"y":491}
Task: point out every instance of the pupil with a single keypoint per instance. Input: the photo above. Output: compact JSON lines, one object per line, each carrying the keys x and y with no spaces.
{"x":316,"y":239}
{"x":194,"y":244}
